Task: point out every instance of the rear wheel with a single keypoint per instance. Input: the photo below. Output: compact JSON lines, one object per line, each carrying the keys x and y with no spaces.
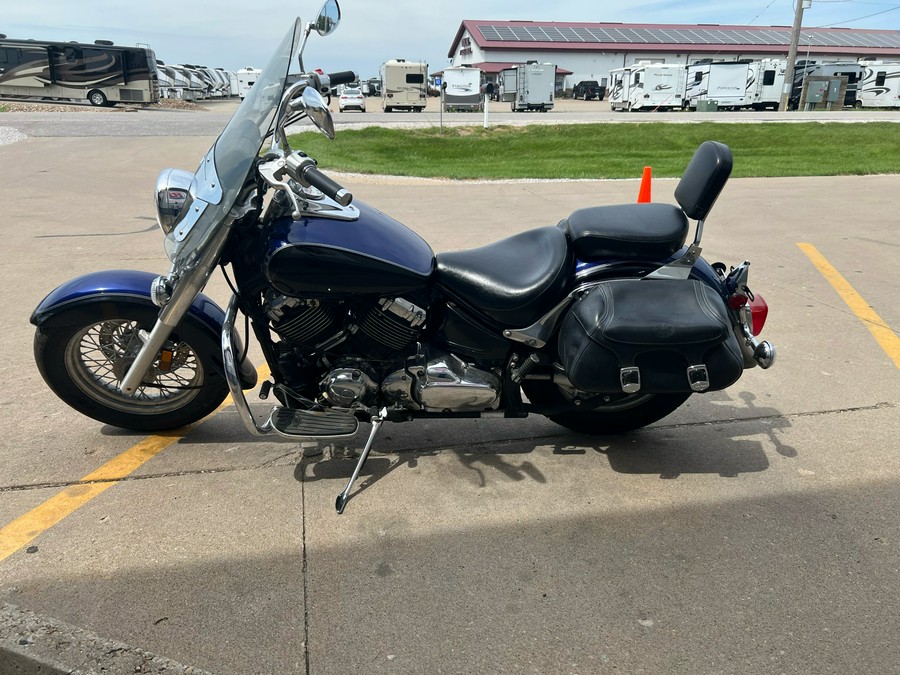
{"x":618,"y":413}
{"x":85,"y":360}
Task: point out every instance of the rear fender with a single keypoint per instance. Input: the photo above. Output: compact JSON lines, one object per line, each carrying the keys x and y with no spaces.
{"x":129,"y":286}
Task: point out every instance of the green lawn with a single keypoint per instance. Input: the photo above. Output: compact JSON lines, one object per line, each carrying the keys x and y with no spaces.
{"x":618,"y":150}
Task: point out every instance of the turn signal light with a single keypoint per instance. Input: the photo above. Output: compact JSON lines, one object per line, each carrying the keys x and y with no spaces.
{"x":737,"y":300}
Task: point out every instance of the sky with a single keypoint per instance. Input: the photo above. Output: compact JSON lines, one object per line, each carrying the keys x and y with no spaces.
{"x":238,"y":34}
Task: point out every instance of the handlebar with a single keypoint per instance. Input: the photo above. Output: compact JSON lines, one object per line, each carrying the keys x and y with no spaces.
{"x":302,"y":169}
{"x":343,"y":77}
{"x":309,"y":173}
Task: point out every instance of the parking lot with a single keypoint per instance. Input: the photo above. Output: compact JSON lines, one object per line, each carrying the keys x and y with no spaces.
{"x":755,"y":530}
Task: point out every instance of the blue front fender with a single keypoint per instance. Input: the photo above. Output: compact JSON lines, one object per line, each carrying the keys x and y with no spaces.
{"x":111,"y":284}
{"x":129,"y":285}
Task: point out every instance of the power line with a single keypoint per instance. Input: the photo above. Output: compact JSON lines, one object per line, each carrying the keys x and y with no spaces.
{"x":841,"y":23}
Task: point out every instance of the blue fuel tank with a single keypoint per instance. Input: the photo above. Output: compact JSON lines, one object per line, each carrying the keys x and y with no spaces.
{"x":325,"y":258}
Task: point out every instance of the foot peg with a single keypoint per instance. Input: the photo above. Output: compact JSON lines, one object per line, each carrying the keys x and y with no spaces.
{"x":313,"y":423}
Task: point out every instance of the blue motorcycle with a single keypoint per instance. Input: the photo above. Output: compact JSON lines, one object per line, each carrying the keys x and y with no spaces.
{"x":604,"y":323}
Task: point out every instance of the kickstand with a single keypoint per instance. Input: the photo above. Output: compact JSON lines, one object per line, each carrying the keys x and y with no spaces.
{"x":342,"y":498}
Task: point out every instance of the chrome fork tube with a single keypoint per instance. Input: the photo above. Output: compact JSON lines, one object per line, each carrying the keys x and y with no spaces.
{"x":189,"y":285}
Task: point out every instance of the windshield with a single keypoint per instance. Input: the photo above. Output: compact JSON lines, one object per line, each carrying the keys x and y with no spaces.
{"x":222,"y":172}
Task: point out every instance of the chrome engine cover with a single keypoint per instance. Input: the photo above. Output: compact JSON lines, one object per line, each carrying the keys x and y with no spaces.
{"x":443,"y":383}
{"x":346,"y":386}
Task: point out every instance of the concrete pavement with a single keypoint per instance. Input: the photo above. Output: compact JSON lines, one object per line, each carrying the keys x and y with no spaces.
{"x":752,"y":531}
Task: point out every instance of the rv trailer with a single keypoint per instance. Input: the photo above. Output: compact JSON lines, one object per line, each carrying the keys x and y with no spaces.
{"x":852,"y":71}
{"x":246,"y":78}
{"x":529,"y":86}
{"x":656,"y":86}
{"x":463,"y":90}
{"x":728,"y":83}
{"x":102,"y":73}
{"x":404,"y":85}
{"x":879,"y":86}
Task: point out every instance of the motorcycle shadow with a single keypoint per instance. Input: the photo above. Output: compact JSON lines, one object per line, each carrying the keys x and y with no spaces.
{"x":730,"y":444}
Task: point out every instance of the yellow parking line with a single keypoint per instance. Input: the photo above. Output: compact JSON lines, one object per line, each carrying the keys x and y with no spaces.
{"x":882,"y":333}
{"x":23,"y":530}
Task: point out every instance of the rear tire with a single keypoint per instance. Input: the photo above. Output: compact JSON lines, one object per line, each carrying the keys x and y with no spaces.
{"x":620,"y":414}
{"x":87,"y":350}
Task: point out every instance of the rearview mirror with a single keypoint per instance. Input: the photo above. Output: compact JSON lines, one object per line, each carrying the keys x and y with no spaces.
{"x":329,"y":18}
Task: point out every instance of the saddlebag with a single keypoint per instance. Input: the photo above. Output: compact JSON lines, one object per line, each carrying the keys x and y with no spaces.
{"x":651,"y":336}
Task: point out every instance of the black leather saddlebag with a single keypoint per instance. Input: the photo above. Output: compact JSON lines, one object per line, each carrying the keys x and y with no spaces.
{"x":651,"y":336}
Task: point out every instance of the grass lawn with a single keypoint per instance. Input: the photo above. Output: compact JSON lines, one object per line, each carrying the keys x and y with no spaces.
{"x":618,"y":150}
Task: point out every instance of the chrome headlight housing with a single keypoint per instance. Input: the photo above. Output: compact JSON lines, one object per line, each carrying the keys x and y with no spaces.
{"x":173,"y":196}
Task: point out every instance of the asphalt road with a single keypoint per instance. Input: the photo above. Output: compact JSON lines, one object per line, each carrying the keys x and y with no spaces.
{"x":753,"y":531}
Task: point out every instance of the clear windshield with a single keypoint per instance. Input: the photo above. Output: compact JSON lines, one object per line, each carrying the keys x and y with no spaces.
{"x":222,"y":172}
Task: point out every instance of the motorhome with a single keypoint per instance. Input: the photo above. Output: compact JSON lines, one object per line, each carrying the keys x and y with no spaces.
{"x":246,"y":78}
{"x":655,"y":86}
{"x":529,"y":86}
{"x":462,"y":89}
{"x":404,"y":85}
{"x":879,"y":86}
{"x":102,"y":73}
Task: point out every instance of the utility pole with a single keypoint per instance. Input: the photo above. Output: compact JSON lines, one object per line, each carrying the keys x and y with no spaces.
{"x":792,"y":53}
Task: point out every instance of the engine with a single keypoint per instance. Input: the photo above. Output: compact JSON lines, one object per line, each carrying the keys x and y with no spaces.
{"x":367,"y":352}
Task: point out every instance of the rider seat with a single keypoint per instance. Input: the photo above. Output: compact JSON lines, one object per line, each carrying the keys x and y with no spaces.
{"x":515,"y":281}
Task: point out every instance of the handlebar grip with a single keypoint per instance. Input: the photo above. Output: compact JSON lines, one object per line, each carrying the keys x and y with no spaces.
{"x":319,"y":180}
{"x":343,"y":77}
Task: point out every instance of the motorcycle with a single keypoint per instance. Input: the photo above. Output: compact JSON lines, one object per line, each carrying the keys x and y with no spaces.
{"x":603,"y":323}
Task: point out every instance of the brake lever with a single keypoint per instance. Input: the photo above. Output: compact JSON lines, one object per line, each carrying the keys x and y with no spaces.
{"x":272,"y":172}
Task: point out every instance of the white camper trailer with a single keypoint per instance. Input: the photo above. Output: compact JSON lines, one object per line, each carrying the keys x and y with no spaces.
{"x":463,"y":90}
{"x":529,"y":86}
{"x":768,"y":83}
{"x":404,"y":85}
{"x":656,"y":86}
{"x":246,"y":78}
{"x":725,"y":82}
{"x":879,"y":86}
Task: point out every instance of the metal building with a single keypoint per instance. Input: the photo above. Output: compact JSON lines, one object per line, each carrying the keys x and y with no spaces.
{"x":591,"y":50}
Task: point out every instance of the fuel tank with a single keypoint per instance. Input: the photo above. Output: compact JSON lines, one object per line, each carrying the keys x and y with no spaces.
{"x":326,"y":258}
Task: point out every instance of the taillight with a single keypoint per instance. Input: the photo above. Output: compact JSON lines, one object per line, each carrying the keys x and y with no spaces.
{"x":759,"y":310}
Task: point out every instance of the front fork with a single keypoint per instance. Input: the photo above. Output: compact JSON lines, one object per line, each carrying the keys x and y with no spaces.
{"x":188,"y":285}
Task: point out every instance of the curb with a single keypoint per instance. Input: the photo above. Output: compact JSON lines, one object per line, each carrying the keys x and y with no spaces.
{"x":31,"y":644}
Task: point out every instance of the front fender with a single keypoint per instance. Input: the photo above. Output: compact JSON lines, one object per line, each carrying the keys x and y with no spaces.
{"x":132,"y":286}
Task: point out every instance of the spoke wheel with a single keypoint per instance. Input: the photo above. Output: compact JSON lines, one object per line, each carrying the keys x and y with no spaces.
{"x":99,"y":356}
{"x":84,"y":354}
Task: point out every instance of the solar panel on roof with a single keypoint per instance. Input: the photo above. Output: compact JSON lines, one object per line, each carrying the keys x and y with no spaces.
{"x":609,"y":34}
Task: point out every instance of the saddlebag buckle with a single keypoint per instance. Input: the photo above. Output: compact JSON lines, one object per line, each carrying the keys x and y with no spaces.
{"x":630,"y":379}
{"x":698,"y":377}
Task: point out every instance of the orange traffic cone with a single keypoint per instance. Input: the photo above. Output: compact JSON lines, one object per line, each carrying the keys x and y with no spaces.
{"x":644,"y":192}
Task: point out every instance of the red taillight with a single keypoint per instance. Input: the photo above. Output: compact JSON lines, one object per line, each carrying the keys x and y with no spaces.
{"x":759,"y":311}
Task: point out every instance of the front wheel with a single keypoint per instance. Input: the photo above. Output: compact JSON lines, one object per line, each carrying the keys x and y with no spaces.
{"x":84,"y":355}
{"x":618,"y":413}
{"x":97,"y":98}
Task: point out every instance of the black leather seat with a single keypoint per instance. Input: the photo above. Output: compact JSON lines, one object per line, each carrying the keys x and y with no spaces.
{"x":515,"y":281}
{"x":646,"y":231}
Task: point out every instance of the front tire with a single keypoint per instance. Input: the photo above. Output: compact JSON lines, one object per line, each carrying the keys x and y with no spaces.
{"x":97,"y":98}
{"x":620,"y":414}
{"x":86,"y":352}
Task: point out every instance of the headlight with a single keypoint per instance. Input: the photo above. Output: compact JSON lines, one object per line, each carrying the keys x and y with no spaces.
{"x":173,"y":196}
